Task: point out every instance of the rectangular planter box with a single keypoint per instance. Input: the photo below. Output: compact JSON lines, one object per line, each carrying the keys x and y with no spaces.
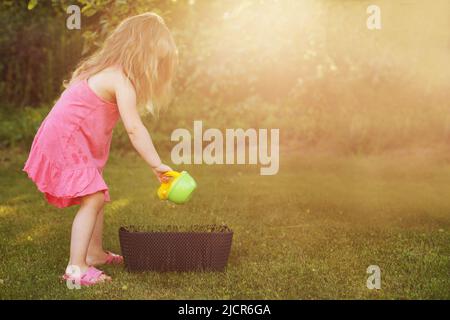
{"x":205,"y":248}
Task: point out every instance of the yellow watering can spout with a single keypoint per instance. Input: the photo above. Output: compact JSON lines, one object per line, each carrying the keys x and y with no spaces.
{"x":163,"y":190}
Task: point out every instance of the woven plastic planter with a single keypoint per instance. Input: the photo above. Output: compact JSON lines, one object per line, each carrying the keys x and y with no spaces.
{"x":198,"y":248}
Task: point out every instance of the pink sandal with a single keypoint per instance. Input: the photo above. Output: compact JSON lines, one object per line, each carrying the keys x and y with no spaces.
{"x":113,"y":258}
{"x":90,"y":277}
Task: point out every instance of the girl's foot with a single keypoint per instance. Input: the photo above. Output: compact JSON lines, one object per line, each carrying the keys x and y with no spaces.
{"x":104,"y":257}
{"x":88,"y":277}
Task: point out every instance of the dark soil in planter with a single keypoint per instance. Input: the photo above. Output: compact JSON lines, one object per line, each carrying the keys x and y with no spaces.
{"x":175,"y":248}
{"x":179,"y":228}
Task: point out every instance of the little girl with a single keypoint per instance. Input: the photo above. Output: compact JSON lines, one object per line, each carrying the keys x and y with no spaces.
{"x":133,"y":68}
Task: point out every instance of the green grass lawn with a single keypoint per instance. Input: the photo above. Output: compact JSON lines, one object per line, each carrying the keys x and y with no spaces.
{"x":309,"y":232}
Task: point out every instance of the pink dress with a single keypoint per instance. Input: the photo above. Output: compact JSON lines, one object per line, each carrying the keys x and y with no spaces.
{"x":71,"y":147}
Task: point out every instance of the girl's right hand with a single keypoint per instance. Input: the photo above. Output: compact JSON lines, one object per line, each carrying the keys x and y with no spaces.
{"x":159,"y":172}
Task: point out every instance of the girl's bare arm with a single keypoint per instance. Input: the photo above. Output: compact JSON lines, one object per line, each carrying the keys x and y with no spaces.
{"x":138,"y":133}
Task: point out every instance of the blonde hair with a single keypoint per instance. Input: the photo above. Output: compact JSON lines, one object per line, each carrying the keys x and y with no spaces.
{"x":144,"y":48}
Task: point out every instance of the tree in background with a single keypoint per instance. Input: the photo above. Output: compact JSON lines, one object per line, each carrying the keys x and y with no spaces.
{"x":310,"y":67}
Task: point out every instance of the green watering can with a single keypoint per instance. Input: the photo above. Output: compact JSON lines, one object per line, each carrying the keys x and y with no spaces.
{"x":178,"y":189}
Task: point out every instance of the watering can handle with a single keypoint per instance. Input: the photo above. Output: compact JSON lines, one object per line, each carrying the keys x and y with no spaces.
{"x":164,"y":188}
{"x":172,"y":174}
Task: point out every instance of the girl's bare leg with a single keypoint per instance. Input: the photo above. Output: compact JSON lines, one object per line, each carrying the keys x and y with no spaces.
{"x":96,"y":254}
{"x":83,"y":228}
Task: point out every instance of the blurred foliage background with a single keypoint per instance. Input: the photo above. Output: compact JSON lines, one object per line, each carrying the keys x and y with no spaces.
{"x":309,"y":67}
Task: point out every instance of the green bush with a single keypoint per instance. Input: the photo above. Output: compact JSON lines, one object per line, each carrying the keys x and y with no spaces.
{"x":18,"y":126}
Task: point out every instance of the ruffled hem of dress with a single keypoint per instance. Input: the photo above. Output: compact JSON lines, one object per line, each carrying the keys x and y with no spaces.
{"x":65,"y":187}
{"x":61,"y":202}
